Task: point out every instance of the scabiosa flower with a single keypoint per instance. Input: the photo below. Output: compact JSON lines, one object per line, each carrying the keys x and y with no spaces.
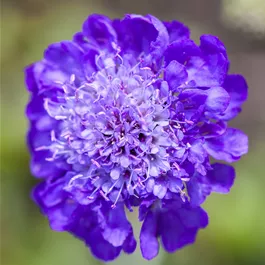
{"x":128,"y":114}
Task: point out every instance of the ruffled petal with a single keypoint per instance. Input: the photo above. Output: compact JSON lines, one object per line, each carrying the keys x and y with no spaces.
{"x":237,"y":89}
{"x":101,"y":248}
{"x":144,"y":207}
{"x":198,"y":190}
{"x":181,"y":51}
{"x":67,"y":56}
{"x":209,"y":130}
{"x":99,"y":31}
{"x":209,"y":68}
{"x":129,"y":244}
{"x":171,"y":230}
{"x":175,"y":75}
{"x":35,"y":109}
{"x":229,"y":147}
{"x":41,"y":168}
{"x":52,"y":200}
{"x":207,"y":71}
{"x":221,"y":178}
{"x":179,"y":226}
{"x":215,"y":99}
{"x":117,"y":228}
{"x":139,"y":34}
{"x":212,"y":45}
{"x":177,"y":31}
{"x":32,"y":73}
{"x":218,"y":179}
{"x":193,"y":217}
{"x":148,"y":237}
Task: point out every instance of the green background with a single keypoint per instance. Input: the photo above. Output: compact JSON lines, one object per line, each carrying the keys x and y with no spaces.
{"x":236,"y":233}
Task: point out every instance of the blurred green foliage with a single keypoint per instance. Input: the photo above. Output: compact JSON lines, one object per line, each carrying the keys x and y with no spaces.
{"x":236,"y":232}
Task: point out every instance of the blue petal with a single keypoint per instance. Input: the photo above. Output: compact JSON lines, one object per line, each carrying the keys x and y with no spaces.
{"x":160,"y":190}
{"x":193,"y":217}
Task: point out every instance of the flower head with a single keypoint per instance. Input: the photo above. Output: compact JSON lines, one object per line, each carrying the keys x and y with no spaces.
{"x":128,"y":114}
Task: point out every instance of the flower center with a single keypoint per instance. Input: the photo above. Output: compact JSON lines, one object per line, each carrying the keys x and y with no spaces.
{"x":115,"y":127}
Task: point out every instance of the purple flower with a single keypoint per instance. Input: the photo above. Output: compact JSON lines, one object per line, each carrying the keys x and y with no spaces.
{"x":128,"y":114}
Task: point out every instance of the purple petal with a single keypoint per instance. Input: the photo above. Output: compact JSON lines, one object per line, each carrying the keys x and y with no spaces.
{"x":197,"y":153}
{"x":158,"y":46}
{"x":99,"y":30}
{"x":181,"y":51}
{"x":193,"y":217}
{"x":212,"y":45}
{"x":51,"y":198}
{"x":32,"y":74}
{"x":117,"y":226}
{"x":177,"y":31}
{"x":35,"y":109}
{"x":137,"y":33}
{"x":229,"y":147}
{"x":179,"y":226}
{"x":171,"y":229}
{"x":150,"y":183}
{"x":160,"y":190}
{"x":193,"y":98}
{"x":68,"y":56}
{"x":237,"y":89}
{"x":41,"y":168}
{"x":129,"y":244}
{"x":209,"y":130}
{"x":217,"y":100}
{"x":115,"y":173}
{"x":198,"y":190}
{"x":175,"y":75}
{"x":144,"y":208}
{"x":221,"y":178}
{"x":207,"y":71}
{"x":101,"y":248}
{"x":175,"y":184}
{"x":148,"y":242}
